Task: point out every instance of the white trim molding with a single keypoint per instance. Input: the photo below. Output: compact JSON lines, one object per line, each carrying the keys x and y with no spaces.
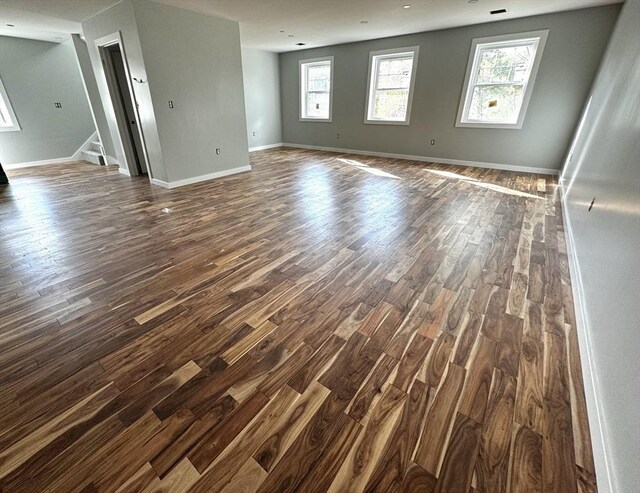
{"x":599,"y":438}
{"x":160,"y":183}
{"x":268,"y":146}
{"x":459,"y":162}
{"x":198,"y":179}
{"x":124,"y":171}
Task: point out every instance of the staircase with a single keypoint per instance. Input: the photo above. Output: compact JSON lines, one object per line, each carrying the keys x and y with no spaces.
{"x":94,"y":153}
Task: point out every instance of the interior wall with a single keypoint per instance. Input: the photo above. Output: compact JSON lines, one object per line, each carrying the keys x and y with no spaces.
{"x":195,"y":61}
{"x":261,"y":73}
{"x":577,"y":39}
{"x":605,"y":164}
{"x":37,"y":74}
{"x":93,"y":95}
{"x":121,"y":18}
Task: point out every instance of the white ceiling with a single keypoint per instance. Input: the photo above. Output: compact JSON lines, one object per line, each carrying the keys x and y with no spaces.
{"x":314,"y":22}
{"x":47,"y":20}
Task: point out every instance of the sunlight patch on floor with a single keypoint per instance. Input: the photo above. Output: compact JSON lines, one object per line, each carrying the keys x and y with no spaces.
{"x":367,"y":168}
{"x":477,"y":183}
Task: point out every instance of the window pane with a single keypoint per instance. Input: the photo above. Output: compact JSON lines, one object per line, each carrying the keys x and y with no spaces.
{"x":318,"y":105}
{"x":496,"y":103}
{"x":391,"y":105}
{"x":394,"y":73}
{"x":504,"y":64}
{"x":319,"y":77}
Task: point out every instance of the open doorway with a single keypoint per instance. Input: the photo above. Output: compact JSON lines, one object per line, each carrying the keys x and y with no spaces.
{"x":124,"y":103}
{"x":124,"y":96}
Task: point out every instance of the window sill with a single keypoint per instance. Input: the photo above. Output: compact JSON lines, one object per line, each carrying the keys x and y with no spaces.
{"x":386,"y":122}
{"x":507,"y":126}
{"x":322,"y":120}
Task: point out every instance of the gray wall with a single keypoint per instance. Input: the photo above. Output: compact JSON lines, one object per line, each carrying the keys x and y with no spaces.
{"x":93,"y":95}
{"x":605,"y":164}
{"x":36,"y":74}
{"x":576,"y":42}
{"x":261,"y":72}
{"x":195,"y":61}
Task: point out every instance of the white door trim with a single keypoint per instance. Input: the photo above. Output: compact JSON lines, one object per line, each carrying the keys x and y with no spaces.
{"x":125,"y":145}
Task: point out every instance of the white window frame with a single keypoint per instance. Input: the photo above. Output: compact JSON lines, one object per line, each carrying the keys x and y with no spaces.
{"x":506,"y":40}
{"x":302,"y":89}
{"x":372,"y":82}
{"x":15,"y":127}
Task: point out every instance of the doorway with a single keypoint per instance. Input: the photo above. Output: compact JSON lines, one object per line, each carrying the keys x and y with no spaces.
{"x":122,"y":93}
{"x":119,"y":84}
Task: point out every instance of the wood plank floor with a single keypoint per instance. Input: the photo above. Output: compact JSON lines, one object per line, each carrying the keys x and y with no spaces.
{"x":325,"y":322}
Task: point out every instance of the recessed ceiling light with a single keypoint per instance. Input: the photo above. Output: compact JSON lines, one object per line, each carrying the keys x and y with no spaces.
{"x":364,"y":22}
{"x":406,"y":6}
{"x":289,"y":35}
{"x":10,"y":25}
{"x":281,"y":30}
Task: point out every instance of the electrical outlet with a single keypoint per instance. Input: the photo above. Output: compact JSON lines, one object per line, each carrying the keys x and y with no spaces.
{"x":218,"y":151}
{"x":58,"y":105}
{"x":337,"y":136}
{"x":170,"y":104}
{"x":433,"y":142}
{"x":254,"y":134}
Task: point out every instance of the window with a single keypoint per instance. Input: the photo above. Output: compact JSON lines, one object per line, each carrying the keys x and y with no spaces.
{"x":316,"y":89}
{"x":500,"y":76}
{"x":390,"y":85}
{"x":8,"y":120}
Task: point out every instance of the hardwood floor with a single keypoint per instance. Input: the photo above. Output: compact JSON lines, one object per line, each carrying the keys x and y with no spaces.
{"x":323,"y":323}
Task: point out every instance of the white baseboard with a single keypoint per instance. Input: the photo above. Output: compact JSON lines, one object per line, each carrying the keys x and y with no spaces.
{"x":45,"y":162}
{"x":268,"y":146}
{"x":112,"y":160}
{"x":77,"y":156}
{"x":160,"y":183}
{"x":123,"y":171}
{"x":460,"y":162}
{"x":198,"y":179}
{"x":597,"y":429}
